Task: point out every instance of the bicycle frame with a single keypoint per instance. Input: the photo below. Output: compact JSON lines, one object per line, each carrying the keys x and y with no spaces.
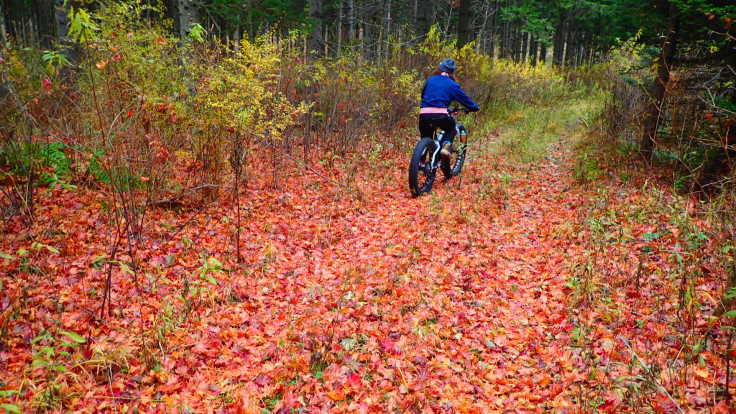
{"x":437,"y":147}
{"x":439,"y":134}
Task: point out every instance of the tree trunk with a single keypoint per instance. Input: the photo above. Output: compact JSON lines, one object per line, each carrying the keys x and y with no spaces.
{"x":3,"y":31}
{"x":361,"y":41}
{"x":249,"y":19}
{"x":659,"y":87}
{"x":579,"y":48}
{"x":504,"y":46}
{"x":591,"y":54}
{"x":559,"y":46}
{"x":4,"y":89}
{"x":482,"y":30}
{"x":387,"y":29}
{"x":463,"y":23}
{"x":524,"y":46}
{"x":533,"y":49}
{"x":326,"y":39}
{"x":236,"y":37}
{"x":543,"y":53}
{"x":45,"y":17}
{"x":350,"y":20}
{"x":315,"y":36}
{"x":340,"y":26}
{"x":570,"y":47}
{"x":582,"y":42}
{"x":188,"y":16}
{"x":424,"y":17}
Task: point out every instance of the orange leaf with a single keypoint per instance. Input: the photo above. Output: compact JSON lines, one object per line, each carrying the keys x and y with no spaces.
{"x":336,"y":395}
{"x":702,"y":373}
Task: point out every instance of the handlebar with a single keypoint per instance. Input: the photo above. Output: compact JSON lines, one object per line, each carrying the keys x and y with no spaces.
{"x":454,"y":110}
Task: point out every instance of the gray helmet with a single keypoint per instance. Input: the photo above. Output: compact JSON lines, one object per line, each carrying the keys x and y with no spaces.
{"x":448,"y":65}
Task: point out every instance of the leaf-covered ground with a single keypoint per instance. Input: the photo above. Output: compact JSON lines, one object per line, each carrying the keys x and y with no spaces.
{"x":459,"y":301}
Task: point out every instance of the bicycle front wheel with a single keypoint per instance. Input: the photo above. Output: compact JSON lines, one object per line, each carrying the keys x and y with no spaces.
{"x":452,"y":166}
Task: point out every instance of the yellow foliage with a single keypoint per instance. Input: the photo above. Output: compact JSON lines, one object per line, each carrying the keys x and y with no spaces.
{"x":241,"y":92}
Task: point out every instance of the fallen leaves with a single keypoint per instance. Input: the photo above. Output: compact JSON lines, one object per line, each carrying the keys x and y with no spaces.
{"x":434,"y":304}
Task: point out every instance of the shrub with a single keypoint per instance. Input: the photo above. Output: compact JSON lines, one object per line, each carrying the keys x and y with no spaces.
{"x":174,"y":114}
{"x":694,"y":134}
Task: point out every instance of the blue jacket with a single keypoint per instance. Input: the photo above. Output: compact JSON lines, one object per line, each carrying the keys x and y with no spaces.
{"x":440,"y":90}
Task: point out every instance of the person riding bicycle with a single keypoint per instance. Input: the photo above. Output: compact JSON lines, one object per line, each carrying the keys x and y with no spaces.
{"x":440,"y":89}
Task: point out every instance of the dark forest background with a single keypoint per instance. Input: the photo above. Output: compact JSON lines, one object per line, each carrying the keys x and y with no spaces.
{"x":567,"y":32}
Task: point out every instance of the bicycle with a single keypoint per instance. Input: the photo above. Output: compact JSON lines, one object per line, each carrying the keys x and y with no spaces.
{"x":427,"y":159}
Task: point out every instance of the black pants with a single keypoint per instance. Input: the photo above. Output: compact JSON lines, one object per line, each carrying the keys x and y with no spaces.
{"x":429,"y":122}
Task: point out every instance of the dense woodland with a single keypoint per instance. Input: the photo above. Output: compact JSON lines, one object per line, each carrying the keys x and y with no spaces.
{"x":205,"y":207}
{"x":571,"y":32}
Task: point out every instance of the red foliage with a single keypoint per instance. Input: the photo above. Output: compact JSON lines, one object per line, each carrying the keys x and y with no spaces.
{"x":378,"y":304}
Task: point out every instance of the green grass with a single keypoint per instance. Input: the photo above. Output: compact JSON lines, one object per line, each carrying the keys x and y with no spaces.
{"x":528,"y":130}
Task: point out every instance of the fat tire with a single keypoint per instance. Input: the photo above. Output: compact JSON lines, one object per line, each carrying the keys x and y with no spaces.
{"x":452,"y":166}
{"x":460,"y":160}
{"x":446,"y":167}
{"x":425,"y":145}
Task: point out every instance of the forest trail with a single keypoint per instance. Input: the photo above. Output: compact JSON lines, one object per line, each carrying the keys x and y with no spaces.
{"x":372,"y":303}
{"x":455,"y":300}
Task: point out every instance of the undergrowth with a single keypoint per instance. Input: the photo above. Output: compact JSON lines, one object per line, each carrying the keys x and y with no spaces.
{"x":651,"y":289}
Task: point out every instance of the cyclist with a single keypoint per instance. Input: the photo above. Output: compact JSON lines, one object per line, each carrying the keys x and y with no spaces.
{"x":439,"y":90}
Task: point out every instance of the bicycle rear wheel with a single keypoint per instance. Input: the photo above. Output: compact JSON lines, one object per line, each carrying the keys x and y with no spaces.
{"x":421,"y":173}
